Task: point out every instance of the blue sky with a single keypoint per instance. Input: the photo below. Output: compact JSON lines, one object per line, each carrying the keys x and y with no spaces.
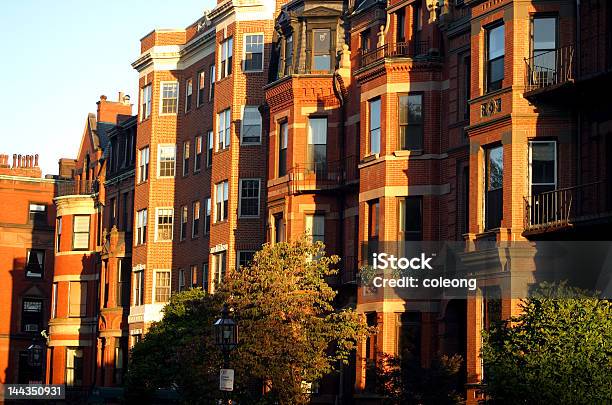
{"x":60,"y":56}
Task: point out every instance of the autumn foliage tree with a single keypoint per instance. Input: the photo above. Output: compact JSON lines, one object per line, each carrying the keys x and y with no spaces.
{"x":289,"y":332}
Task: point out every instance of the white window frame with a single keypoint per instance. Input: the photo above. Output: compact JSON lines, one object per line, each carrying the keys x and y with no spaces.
{"x":213,"y":79}
{"x":239,"y":253}
{"x":146,"y":163}
{"x":141,"y":223}
{"x":227,"y":129}
{"x":224,"y":187}
{"x":157,"y":210}
{"x":146,"y":93}
{"x":210,"y":146}
{"x":240,"y":198}
{"x":198,"y":141}
{"x":229,"y":52}
{"x":184,"y":221}
{"x":244,"y":51}
{"x":201,"y":79}
{"x":242,"y":124}
{"x":154,"y":298}
{"x":139,"y":281}
{"x":159,"y":148}
{"x":193,"y":218}
{"x":530,"y":163}
{"x":186,"y":157}
{"x":188,"y":93}
{"x":207,"y":212}
{"x":181,"y":280}
{"x":161,"y":97}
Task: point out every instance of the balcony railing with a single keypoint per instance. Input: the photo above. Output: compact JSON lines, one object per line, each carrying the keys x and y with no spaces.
{"x":317,"y":176}
{"x":567,"y":206}
{"x":550,"y":68}
{"x":394,"y":50}
{"x":87,"y":187}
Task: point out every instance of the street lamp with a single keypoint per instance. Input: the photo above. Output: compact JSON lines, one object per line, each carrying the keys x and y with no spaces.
{"x":226,"y":337}
{"x":35,"y":354}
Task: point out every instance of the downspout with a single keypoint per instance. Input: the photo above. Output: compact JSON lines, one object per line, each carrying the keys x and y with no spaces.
{"x":579,"y":112}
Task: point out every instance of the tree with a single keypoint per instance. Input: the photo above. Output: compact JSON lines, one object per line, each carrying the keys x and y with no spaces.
{"x":558,"y":350}
{"x":402,"y":380}
{"x":290,"y":332}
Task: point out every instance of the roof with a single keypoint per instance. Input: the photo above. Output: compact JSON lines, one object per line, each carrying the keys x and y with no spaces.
{"x":362,"y":5}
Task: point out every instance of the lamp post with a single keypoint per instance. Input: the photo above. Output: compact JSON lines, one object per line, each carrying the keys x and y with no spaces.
{"x":35,"y":360}
{"x":226,"y":338}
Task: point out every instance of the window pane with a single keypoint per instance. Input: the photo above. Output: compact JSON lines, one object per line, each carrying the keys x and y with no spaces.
{"x":544,"y":33}
{"x":495,"y":168}
{"x":543,"y":163}
{"x":317,"y":135}
{"x":322,"y":41}
{"x":322,"y":62}
{"x":496,"y":42}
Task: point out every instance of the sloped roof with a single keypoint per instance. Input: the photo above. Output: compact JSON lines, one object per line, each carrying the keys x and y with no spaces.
{"x":363,"y":5}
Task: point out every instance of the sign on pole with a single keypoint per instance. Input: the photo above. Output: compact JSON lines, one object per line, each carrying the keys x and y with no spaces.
{"x":226,"y":379}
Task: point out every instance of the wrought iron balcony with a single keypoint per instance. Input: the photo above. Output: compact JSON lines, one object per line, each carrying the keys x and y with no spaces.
{"x":320,"y":176}
{"x":550,"y":68}
{"x":567,"y":207}
{"x":88,"y":187}
{"x":394,"y":50}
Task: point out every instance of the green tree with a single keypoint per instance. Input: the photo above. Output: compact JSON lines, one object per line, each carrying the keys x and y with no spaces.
{"x":290,"y":332}
{"x":558,"y":350}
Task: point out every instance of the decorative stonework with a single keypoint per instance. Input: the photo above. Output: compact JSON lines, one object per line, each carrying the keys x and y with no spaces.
{"x":490,"y":107}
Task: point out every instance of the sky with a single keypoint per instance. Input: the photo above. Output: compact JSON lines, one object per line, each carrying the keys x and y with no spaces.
{"x":59,"y":56}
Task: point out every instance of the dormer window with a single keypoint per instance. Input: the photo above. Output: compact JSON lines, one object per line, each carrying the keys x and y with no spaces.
{"x":321,"y":48}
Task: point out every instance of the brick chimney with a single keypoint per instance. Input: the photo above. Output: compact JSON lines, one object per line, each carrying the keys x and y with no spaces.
{"x":114,"y":111}
{"x":23,"y":165}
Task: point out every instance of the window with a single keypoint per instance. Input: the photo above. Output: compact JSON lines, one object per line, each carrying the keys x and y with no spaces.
{"x":54,"y":301}
{"x":543,"y":45}
{"x":58,"y":234}
{"x":321,"y":49}
{"x":373,"y":220}
{"x":77,"y":299}
{"x":80,"y":232}
{"x":209,"y":148}
{"x":195,"y":226}
{"x":120,"y":344}
{"x":375,"y":118}
{"x":279,"y":228}
{"x":38,"y":213}
{"x":408,"y":336}
{"x":223,"y":129}
{"x":249,"y":197}
{"x":227,"y":53}
{"x":222,"y":195}
{"x":183,"y":232}
{"x":253,"y":52}
{"x":289,"y":55}
{"x":417,"y":24}
{"x":113,"y":212}
{"x":283,"y":137}
{"x":163,"y":231}
{"x":193,"y":276}
{"x":162,"y":285}
{"x":317,"y":144}
{"x":220,"y":263}
{"x":543,"y":166}
{"x":201,"y":87}
{"x":167,"y":160}
{"x":186,"y":158}
{"x":212,"y":77}
{"x":494,"y":178}
{"x":74,"y":366}
{"x":411,"y":121}
{"x":364,"y":38}
{"x":251,"y":125}
{"x":145,"y":107}
{"x":205,"y":276}
{"x":169,"y":97}
{"x":181,"y":280}
{"x":245,"y":257}
{"x":141,"y":227}
{"x":400,"y":21}
{"x":464,"y":90}
{"x":35,"y":263}
{"x":411,"y":218}
{"x":315,"y":227}
{"x":491,"y":309}
{"x":207,"y":216}
{"x":123,"y":283}
{"x":32,"y":315}
{"x":143,"y":164}
{"x":139,"y":287}
{"x":125,"y":212}
{"x":188,"y":94}
{"x":198,"y":154}
{"x":495,"y":58}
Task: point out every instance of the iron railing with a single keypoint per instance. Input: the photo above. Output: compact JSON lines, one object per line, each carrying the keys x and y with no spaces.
{"x":394,"y":50}
{"x":565,"y":206}
{"x":87,"y":187}
{"x":314,"y":176}
{"x":550,"y":68}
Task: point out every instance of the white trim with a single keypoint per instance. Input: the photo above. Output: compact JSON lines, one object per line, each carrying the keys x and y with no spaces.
{"x":158,"y":160}
{"x":240,"y":198}
{"x":155,"y":271}
{"x":187,"y":81}
{"x":193,"y":218}
{"x":161,"y":96}
{"x":157,"y":209}
{"x":243,"y":108}
{"x":263,"y":52}
{"x":238,"y":252}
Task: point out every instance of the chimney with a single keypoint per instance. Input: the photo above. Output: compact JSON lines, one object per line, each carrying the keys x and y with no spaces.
{"x":14,"y":160}
{"x":36,"y":160}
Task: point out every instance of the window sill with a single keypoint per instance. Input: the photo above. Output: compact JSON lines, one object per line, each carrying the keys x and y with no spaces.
{"x":250,"y":144}
{"x":220,"y":222}
{"x":163,"y":241}
{"x":370,"y":157}
{"x":167,"y":114}
{"x":408,"y":152}
{"x":249,"y":216}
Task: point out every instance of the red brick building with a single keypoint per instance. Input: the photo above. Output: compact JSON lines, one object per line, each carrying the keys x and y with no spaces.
{"x":27,"y":218}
